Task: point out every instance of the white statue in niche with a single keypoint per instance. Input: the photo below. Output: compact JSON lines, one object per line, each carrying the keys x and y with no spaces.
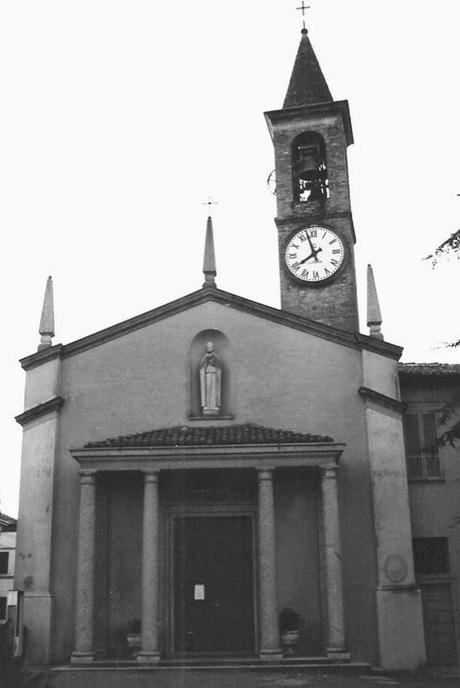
{"x":210,"y":382}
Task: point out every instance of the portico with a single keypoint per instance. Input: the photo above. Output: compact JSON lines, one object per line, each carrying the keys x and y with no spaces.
{"x":251,"y":464}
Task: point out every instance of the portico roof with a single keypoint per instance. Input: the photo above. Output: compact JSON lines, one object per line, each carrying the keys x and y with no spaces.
{"x":184,"y":435}
{"x":209,"y":447}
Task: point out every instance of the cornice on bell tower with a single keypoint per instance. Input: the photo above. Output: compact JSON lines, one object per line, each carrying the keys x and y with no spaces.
{"x":310,"y":135}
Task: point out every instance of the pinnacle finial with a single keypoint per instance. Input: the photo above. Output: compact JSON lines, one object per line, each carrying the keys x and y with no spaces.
{"x":374,"y":317}
{"x":46,"y":329}
{"x":209,"y":262}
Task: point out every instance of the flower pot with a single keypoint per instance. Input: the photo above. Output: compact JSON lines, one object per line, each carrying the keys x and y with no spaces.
{"x":290,"y":640}
{"x":134,"y":642}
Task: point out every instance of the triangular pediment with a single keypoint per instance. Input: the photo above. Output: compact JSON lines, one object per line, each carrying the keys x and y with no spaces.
{"x":354,"y":340}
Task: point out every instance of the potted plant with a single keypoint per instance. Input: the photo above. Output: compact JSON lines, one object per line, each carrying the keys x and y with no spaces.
{"x":133,"y":637}
{"x":289,"y":625}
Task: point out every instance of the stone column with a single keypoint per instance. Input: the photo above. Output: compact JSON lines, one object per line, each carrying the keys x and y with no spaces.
{"x":150,"y":651}
{"x":333,"y":563}
{"x":268,"y":605}
{"x":84,"y":612}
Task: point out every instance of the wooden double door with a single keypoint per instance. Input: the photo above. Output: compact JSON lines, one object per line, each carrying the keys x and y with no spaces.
{"x":213,"y":584}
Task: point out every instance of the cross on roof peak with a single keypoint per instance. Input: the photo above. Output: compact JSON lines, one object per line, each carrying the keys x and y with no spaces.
{"x":210,"y":203}
{"x":303,"y":8}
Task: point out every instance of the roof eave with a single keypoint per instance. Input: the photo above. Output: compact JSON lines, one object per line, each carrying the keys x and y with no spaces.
{"x":260,"y":456}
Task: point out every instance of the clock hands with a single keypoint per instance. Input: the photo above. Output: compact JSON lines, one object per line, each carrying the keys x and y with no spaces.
{"x":314,"y":254}
{"x":314,"y":251}
{"x":312,"y":248}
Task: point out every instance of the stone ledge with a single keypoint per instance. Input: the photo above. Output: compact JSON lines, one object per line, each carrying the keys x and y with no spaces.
{"x":381,"y":399}
{"x":28,"y":416}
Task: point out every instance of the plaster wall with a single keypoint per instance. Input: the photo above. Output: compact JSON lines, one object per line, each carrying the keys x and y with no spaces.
{"x":34,"y":534}
{"x":398,"y":601}
{"x":381,"y":374}
{"x":42,"y":383}
{"x":281,"y":378}
{"x":124,"y":558}
{"x":298,"y":556}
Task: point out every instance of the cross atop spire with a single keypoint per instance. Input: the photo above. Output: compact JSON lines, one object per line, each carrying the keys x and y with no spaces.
{"x":303,"y":7}
{"x":46,"y":328}
{"x":209,"y":262}
{"x":210,"y":203}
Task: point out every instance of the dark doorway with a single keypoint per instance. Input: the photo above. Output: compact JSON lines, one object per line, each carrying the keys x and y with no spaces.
{"x":213,"y":585}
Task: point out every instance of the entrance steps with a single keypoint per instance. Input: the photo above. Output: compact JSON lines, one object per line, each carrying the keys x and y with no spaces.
{"x":218,"y":673}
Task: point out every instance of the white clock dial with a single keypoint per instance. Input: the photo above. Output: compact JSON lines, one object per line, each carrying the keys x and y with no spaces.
{"x":314,"y":254}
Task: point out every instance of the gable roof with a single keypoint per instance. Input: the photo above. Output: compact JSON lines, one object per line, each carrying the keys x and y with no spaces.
{"x":353,"y":340}
{"x":186,"y":436}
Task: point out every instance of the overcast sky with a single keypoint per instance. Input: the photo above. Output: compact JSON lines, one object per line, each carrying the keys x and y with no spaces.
{"x":118,"y":118}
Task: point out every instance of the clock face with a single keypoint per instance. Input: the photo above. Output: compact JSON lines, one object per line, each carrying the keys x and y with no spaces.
{"x":314,"y":254}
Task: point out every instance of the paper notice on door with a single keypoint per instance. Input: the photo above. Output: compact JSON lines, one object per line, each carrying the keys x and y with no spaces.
{"x":198,"y":593}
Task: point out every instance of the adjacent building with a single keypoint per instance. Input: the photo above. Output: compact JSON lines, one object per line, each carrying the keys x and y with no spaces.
{"x":7,"y":561}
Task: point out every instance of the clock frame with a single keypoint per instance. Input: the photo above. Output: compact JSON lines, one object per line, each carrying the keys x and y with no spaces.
{"x":326,"y":280}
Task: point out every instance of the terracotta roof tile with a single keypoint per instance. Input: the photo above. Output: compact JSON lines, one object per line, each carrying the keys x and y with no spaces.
{"x":434,"y":369}
{"x":210,"y":435}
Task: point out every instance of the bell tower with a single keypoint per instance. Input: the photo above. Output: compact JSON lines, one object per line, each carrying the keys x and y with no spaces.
{"x":316,"y":237}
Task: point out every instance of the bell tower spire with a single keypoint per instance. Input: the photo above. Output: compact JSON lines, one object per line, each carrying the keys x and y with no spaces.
{"x":307,"y":84}
{"x":46,"y":328}
{"x":316,"y":237}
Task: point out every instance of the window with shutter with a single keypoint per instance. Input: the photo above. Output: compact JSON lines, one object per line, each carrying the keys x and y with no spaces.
{"x":3,"y":608}
{"x":431,"y":556}
{"x":4,"y":563}
{"x":421,"y":445}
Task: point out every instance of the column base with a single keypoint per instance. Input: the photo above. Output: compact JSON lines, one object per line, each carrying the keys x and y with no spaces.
{"x":269,"y":655}
{"x":148,"y":657}
{"x":82,"y":658}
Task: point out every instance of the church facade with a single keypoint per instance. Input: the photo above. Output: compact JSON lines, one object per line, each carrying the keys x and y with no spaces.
{"x":196,"y":475}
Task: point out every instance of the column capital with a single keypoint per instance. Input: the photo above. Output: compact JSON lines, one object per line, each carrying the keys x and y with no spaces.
{"x":151,"y":476}
{"x":87,"y":476}
{"x":264,"y":473}
{"x":329,"y":471}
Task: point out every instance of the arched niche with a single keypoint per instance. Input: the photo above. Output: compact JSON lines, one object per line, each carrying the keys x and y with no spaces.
{"x":309,"y":169}
{"x":198,"y":349}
